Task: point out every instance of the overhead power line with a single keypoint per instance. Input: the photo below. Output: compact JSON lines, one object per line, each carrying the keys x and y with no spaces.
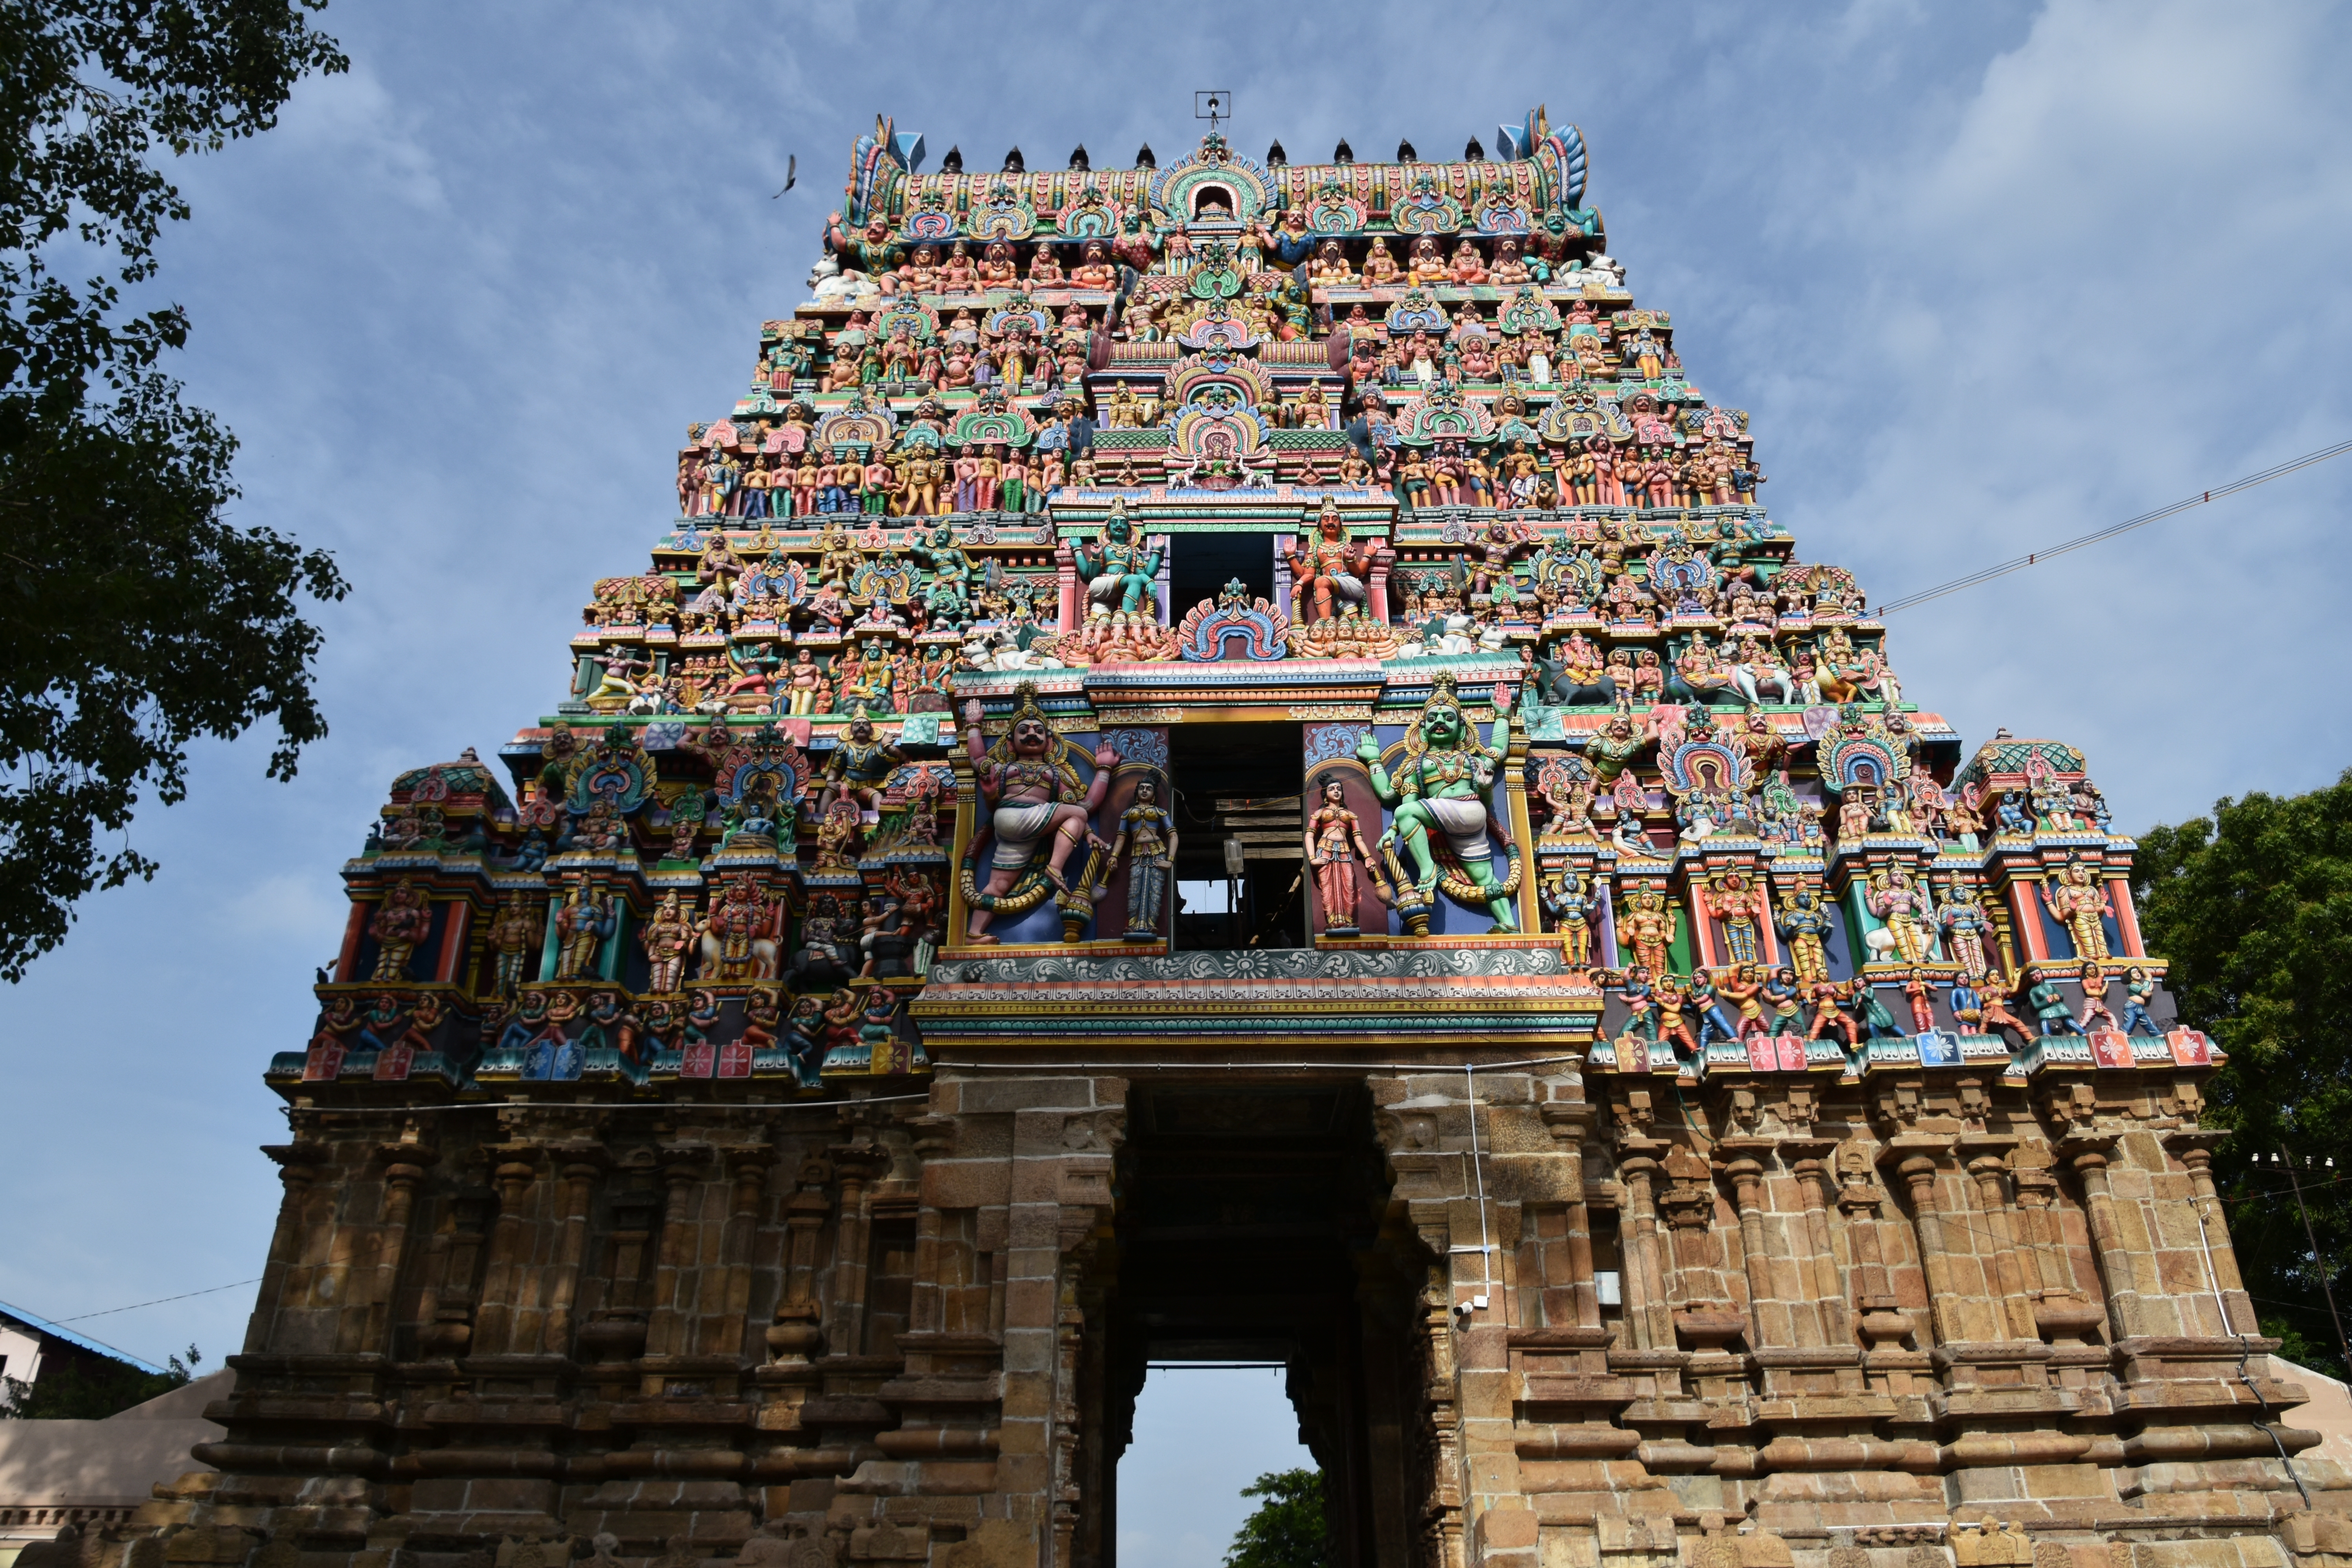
{"x":209,"y":1291}
{"x":2019,"y":563}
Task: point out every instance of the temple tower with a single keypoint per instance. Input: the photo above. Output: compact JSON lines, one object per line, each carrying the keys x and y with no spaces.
{"x":1223,"y":759}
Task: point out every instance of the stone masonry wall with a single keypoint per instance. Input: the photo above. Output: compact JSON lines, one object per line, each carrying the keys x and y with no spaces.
{"x":1607,"y":1323}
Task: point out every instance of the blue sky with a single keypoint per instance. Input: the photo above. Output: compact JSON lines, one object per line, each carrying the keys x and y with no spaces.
{"x":1986,"y":275}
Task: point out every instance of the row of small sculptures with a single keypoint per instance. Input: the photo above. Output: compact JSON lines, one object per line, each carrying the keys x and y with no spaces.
{"x":1655,"y":478}
{"x":878,"y":260}
{"x":910,"y":482}
{"x":1690,"y":568}
{"x":1917,"y":916}
{"x":560,"y":1022}
{"x":1742,"y":1003}
{"x":754,"y":677}
{"x":739,"y":939}
{"x":1749,"y":668}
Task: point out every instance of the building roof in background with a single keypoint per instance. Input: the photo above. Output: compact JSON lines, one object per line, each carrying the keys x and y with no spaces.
{"x":56,"y":1331}
{"x":114,"y":1464}
{"x":186,"y":1402}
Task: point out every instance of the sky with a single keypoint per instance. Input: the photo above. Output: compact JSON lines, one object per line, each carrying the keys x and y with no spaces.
{"x":1987,"y":277}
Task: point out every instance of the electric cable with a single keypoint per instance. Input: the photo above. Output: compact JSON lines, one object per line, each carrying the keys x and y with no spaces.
{"x":209,"y":1291}
{"x":2019,"y":563}
{"x":2245,"y":1353}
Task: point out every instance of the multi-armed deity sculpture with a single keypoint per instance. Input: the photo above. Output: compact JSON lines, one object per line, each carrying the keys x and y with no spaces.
{"x":1673,"y":1102}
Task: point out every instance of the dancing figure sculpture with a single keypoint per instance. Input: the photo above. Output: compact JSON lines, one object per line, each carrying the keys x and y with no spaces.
{"x":1445,"y":786}
{"x":1036,"y":801}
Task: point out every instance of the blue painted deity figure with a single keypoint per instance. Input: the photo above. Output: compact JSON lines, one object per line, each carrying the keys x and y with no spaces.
{"x":2011,"y":816}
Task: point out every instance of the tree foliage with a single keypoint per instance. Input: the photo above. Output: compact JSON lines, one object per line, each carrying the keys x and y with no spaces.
{"x":134,"y":617}
{"x":91,"y":1389}
{"x":2253,"y":906}
{"x":1287,"y":1529}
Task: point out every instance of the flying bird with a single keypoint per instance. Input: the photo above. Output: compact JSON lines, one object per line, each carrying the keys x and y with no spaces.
{"x":792,"y":174}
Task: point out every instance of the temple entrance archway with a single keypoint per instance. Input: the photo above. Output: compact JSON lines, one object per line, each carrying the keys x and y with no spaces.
{"x":1251,"y":1230}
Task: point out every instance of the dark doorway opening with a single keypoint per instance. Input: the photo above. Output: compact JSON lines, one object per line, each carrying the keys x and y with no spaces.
{"x":1239,"y":850}
{"x":1200,"y":564}
{"x":1253,"y":1229}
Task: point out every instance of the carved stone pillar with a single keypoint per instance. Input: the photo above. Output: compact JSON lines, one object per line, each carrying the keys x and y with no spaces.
{"x":681,"y":1172}
{"x":1568,"y":1122}
{"x":448,"y":1308}
{"x":2194,"y":1150}
{"x":1828,"y":1291}
{"x":617,"y":1331}
{"x":580,"y":1168}
{"x":1747,"y":1195}
{"x":1648,"y":1313}
{"x":1919,"y":1174}
{"x":795,"y":1334}
{"x":369,"y":1328}
{"x":859,"y":1166}
{"x":1438,"y":1389}
{"x":1992,"y":1201}
{"x":723,"y":1325}
{"x":2088,"y":1154}
{"x":494,"y":1324}
{"x":298,"y":1170}
{"x":1377,"y":585}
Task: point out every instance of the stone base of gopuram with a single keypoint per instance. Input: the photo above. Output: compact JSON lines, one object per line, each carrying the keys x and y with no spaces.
{"x":1771,"y":1319}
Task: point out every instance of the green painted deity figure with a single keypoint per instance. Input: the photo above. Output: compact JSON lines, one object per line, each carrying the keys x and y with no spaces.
{"x":1121,"y":575}
{"x":1446,"y":788}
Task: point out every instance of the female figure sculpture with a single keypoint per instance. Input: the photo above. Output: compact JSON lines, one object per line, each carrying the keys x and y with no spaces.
{"x":666,"y":939}
{"x":2138,"y":989}
{"x":1335,"y":846}
{"x":1649,"y":923}
{"x":1146,"y":838}
{"x":1965,"y":926}
{"x":2078,"y":903}
{"x":1898,"y":900}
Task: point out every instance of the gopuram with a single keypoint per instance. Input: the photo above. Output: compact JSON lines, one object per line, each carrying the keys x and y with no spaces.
{"x":1222,"y":760}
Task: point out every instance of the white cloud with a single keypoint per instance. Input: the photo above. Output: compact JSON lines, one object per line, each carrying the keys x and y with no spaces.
{"x":289,"y":905}
{"x":353,"y":123}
